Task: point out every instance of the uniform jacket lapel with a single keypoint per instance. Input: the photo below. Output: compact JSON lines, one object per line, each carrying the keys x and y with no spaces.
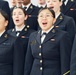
{"x":69,"y":5}
{"x":14,"y":32}
{"x":50,"y":35}
{"x":30,"y":9}
{"x":38,"y":37}
{"x":24,"y":31}
{"x":3,"y":38}
{"x":59,"y":19}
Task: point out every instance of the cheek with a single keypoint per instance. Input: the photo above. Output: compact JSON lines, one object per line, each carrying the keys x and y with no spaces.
{"x":13,"y":18}
{"x":38,"y":20}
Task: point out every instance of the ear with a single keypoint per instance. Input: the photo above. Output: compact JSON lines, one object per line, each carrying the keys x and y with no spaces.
{"x":6,"y":23}
{"x":60,"y":3}
{"x":54,"y":20}
{"x":26,"y":17}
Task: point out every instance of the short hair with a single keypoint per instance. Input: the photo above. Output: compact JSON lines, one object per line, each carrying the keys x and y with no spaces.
{"x":59,"y":0}
{"x":4,"y":14}
{"x":52,"y":11}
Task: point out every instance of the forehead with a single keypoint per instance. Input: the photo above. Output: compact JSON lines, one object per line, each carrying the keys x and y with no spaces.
{"x":45,"y":11}
{"x":17,"y":10}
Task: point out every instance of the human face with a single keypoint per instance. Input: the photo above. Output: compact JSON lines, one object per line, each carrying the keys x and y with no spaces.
{"x":3,"y":23}
{"x":13,"y":3}
{"x":19,"y":1}
{"x":41,"y":1}
{"x":45,"y":19}
{"x":26,"y":2}
{"x":54,"y":5}
{"x":18,"y":17}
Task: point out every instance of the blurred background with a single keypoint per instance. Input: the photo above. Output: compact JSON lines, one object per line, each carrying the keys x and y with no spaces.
{"x":33,"y":1}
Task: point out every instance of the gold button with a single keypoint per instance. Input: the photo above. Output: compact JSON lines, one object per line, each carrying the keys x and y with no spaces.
{"x":39,"y":54}
{"x":40,"y":46}
{"x":41,"y":68}
{"x":40,"y":61}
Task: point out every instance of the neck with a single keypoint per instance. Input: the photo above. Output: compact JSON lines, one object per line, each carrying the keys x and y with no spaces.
{"x":19,"y":27}
{"x":42,"y":3}
{"x":56,"y":13}
{"x":2,"y":31}
{"x":25,"y":4}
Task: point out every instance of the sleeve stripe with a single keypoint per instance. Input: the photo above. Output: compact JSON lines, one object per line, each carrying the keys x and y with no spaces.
{"x":66,"y":72}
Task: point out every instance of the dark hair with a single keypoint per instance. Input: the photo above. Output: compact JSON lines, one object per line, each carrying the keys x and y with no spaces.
{"x":53,"y":13}
{"x":4,"y":14}
{"x":60,"y":0}
{"x":24,"y":11}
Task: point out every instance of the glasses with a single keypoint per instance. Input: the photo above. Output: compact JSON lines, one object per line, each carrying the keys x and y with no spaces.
{"x":45,"y":16}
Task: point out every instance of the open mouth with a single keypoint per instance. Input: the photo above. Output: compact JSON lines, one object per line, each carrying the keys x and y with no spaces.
{"x":44,"y":24}
{"x":51,"y":7}
{"x":17,"y":20}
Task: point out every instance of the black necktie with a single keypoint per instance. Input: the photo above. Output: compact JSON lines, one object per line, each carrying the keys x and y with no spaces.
{"x":18,"y":32}
{"x":25,"y":8}
{"x":43,"y":34}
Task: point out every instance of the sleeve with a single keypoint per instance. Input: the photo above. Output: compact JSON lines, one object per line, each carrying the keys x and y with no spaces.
{"x":73,"y":59}
{"x":71,"y":29}
{"x":65,"y":54}
{"x":28,"y":60}
{"x":18,"y":58}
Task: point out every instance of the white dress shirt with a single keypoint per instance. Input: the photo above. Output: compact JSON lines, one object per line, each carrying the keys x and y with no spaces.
{"x":2,"y":33}
{"x":43,"y":36}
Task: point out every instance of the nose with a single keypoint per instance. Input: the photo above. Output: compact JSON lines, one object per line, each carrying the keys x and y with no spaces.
{"x":44,"y":17}
{"x":16,"y":15}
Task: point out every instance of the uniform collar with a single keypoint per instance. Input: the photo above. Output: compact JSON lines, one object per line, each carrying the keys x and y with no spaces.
{"x":58,"y":15}
{"x":41,"y":5}
{"x":2,"y":33}
{"x":66,"y":1}
{"x":20,"y":28}
{"x":26,"y":6}
{"x":47,"y":30}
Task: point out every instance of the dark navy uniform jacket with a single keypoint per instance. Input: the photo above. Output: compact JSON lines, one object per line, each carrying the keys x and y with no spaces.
{"x":32,"y":12}
{"x":10,"y":55}
{"x":52,"y":57}
{"x":67,"y":24}
{"x":70,"y":9}
{"x":73,"y":59}
{"x":24,"y":37}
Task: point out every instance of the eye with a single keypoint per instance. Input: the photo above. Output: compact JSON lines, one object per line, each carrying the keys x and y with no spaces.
{"x":20,"y":13}
{"x":54,"y":0}
{"x":48,"y":1}
{"x":47,"y":15}
{"x":40,"y":15}
{"x":14,"y":14}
